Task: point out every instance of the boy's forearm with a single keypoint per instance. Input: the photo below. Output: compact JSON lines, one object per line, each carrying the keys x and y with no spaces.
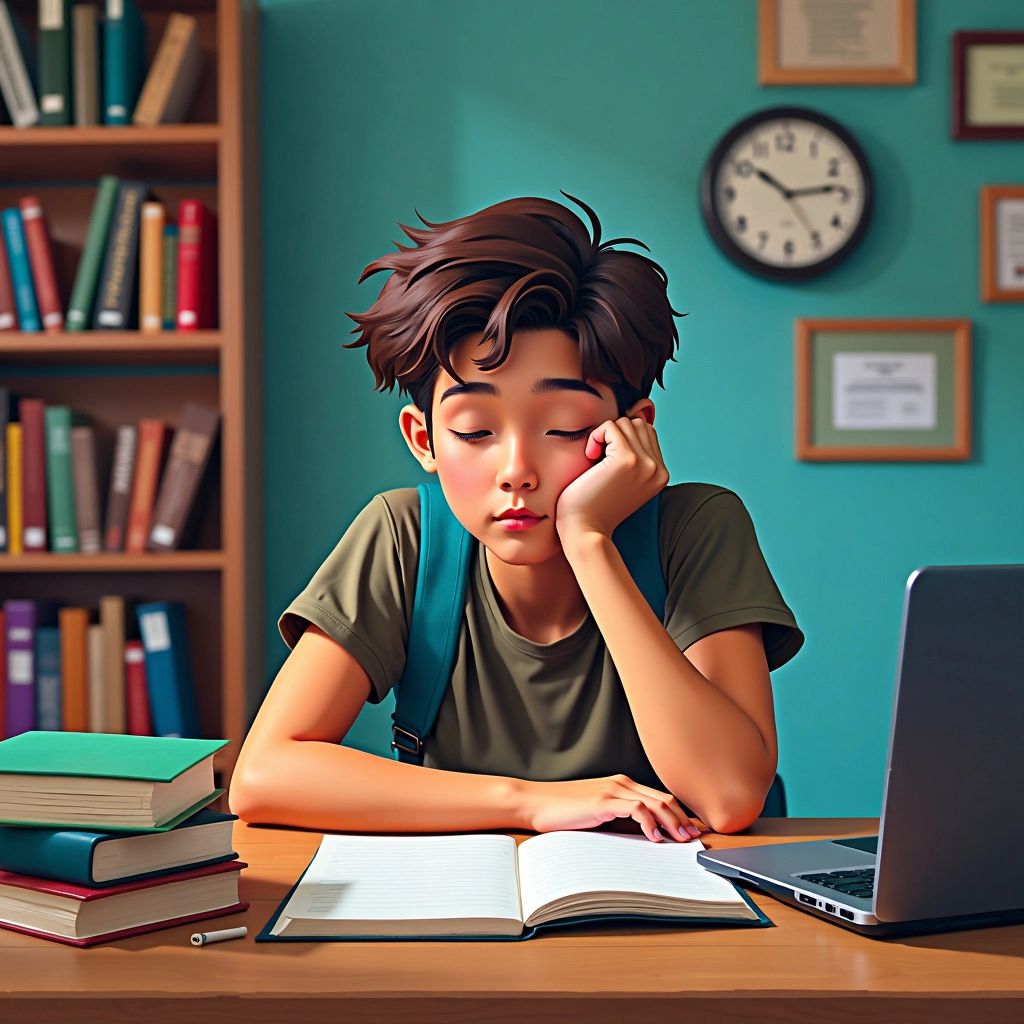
{"x":324,"y":786}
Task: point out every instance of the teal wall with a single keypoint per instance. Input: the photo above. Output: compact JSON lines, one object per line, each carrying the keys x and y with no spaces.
{"x":373,"y":109}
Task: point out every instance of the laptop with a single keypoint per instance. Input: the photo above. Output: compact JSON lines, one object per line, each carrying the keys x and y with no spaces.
{"x":949,"y":849}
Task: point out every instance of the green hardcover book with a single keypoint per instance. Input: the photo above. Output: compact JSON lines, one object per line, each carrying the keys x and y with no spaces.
{"x":59,"y":481}
{"x":55,"y":62}
{"x":83,"y":293}
{"x":170,"y":283}
{"x":105,"y":781}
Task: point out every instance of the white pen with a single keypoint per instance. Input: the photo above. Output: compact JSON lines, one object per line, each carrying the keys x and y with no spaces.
{"x":205,"y":938}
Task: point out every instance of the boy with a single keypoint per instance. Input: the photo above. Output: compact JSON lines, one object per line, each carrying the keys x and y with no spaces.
{"x":529,"y":351}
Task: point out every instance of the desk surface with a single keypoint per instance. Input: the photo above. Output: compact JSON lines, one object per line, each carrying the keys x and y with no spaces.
{"x":802,"y":968}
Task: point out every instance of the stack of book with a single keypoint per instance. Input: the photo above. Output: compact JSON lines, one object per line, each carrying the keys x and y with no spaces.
{"x":59,"y":468}
{"x":61,"y":671}
{"x":79,"y":55}
{"x":103,"y":836}
{"x":137,"y":270}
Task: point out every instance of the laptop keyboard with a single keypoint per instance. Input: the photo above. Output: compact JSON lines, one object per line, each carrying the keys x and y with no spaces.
{"x":860,"y":882}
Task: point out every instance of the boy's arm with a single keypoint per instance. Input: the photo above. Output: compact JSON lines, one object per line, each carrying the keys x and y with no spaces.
{"x":291,"y":770}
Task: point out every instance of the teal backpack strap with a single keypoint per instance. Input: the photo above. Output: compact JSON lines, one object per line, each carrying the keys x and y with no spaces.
{"x":445,"y":547}
{"x":440,"y":599}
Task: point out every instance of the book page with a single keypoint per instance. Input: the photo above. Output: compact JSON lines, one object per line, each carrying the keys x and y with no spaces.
{"x":555,"y":865}
{"x":390,"y":879}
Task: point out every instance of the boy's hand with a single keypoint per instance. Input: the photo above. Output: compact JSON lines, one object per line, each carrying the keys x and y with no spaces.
{"x":587,"y":803}
{"x":629,"y":470}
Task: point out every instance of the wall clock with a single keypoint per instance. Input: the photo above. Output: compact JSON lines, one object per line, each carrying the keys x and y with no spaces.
{"x":786,"y":193}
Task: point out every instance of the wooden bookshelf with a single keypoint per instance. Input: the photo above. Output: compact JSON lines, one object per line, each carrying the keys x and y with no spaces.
{"x":122,"y":376}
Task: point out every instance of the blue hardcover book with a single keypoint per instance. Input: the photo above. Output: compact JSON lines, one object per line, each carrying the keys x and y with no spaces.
{"x":371,"y":887}
{"x":99,"y":859}
{"x":172,"y":695}
{"x":49,"y":692}
{"x":21,"y":271}
{"x":124,"y":60}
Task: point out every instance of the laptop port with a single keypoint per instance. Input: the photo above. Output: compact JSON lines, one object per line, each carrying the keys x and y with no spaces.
{"x":848,"y":914}
{"x":804,"y":898}
{"x":830,"y":908}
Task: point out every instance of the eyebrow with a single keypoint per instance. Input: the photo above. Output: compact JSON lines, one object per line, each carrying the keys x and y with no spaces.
{"x":544,"y":386}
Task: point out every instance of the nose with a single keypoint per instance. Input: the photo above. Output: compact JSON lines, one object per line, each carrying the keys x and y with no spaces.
{"x":516,"y":471}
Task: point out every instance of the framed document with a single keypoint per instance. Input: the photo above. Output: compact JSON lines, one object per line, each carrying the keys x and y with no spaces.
{"x":883,"y":390}
{"x":1001,"y":222}
{"x":988,"y":85}
{"x":837,"y":42}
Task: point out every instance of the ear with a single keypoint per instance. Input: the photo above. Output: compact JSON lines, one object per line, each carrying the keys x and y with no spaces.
{"x":413,"y":426}
{"x":644,"y":407}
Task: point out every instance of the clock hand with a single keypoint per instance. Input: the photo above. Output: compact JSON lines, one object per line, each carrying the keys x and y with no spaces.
{"x":811,"y":191}
{"x":765,"y":176}
{"x":800,"y":214}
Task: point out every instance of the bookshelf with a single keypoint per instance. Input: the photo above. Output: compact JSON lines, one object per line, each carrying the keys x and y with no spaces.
{"x":123,"y":376}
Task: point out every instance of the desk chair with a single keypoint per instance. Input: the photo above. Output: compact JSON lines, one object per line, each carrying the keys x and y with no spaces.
{"x":775,"y":801}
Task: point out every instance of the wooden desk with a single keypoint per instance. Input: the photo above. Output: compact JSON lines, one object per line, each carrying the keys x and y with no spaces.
{"x":802,"y":969}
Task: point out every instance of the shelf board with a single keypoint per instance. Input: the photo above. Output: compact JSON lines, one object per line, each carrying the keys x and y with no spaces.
{"x":104,"y":348}
{"x":169,"y":561}
{"x":59,"y":153}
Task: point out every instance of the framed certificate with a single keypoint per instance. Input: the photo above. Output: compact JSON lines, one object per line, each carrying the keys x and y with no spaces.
{"x":988,"y":85}
{"x":883,"y":390}
{"x":837,"y":42}
{"x":1001,"y":235}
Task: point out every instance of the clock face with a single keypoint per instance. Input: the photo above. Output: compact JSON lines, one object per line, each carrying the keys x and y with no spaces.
{"x":786,"y":193}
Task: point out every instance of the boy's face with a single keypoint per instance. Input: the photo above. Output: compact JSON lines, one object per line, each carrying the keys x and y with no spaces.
{"x":527,"y":431}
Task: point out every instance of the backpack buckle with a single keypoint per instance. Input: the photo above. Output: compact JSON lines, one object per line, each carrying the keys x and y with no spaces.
{"x":417,"y":742}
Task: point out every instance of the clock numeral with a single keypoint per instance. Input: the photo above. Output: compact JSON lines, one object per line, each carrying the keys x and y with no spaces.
{"x":760,"y":148}
{"x":785,"y":142}
{"x":729,"y":192}
{"x":833,"y":167}
{"x":788,"y":248}
{"x":762,"y":240}
{"x":814,"y":149}
{"x":741,"y":224}
{"x":744,"y":168}
{"x":844,"y":194}
{"x":816,"y":239}
{"x":837,"y":221}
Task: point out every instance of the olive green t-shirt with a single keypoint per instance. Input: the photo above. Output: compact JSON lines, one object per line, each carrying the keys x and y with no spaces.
{"x":545,"y":712}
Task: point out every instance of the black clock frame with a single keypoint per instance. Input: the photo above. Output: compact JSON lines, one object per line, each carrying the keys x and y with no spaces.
{"x":713,"y":221}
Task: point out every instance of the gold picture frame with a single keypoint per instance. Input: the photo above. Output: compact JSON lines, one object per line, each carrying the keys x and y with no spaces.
{"x":876,"y":44}
{"x":883,"y":390}
{"x":1001,"y":238}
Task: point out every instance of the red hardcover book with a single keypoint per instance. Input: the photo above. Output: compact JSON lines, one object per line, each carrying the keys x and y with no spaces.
{"x":40,"y":258}
{"x":136,"y":693}
{"x":77,"y":897}
{"x":31,"y":413}
{"x":197,"y":267}
{"x":8,"y":307}
{"x":153,"y":437}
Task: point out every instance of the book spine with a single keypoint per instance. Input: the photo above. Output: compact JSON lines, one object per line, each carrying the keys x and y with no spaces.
{"x":32,"y":413}
{"x":96,"y":690}
{"x":8,"y":305}
{"x":83,"y":292}
{"x":20,"y":619}
{"x":61,"y":854}
{"x":85,"y":478}
{"x":112,"y":679}
{"x":151,"y":269}
{"x":172,"y":699}
{"x":124,"y":50}
{"x":85,"y":64}
{"x":197,"y":266}
{"x":5,"y":404}
{"x":116,"y":301}
{"x":17,"y":70}
{"x":21,"y":271}
{"x":49,"y":702}
{"x":55,"y":61}
{"x":121,"y":477}
{"x":3,"y":673}
{"x":190,"y":453}
{"x":173,"y":76}
{"x":170,"y":277}
{"x":59,"y":485}
{"x":40,"y":257}
{"x":135,"y":690}
{"x":152,"y":448}
{"x":74,"y":664}
{"x":15,"y":528}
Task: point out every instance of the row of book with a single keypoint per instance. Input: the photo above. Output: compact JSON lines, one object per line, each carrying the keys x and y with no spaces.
{"x":56,"y":467}
{"x":125,"y":842}
{"x":137,"y":269}
{"x":124,"y":668}
{"x":84,"y":68}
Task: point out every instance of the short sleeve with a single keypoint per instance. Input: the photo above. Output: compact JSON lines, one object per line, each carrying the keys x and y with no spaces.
{"x":716,"y":574}
{"x":361,"y":596}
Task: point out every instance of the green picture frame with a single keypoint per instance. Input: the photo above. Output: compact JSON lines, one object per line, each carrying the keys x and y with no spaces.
{"x":893,"y":390}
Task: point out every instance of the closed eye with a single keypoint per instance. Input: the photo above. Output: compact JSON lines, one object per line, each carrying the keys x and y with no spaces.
{"x":565,"y":435}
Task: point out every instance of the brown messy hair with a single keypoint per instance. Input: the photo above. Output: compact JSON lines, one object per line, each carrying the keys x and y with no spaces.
{"x":521,"y":264}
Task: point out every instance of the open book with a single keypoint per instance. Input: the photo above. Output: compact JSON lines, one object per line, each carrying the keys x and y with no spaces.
{"x":484,"y":886}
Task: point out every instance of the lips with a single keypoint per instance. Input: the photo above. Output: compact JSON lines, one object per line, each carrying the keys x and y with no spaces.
{"x":519,"y":513}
